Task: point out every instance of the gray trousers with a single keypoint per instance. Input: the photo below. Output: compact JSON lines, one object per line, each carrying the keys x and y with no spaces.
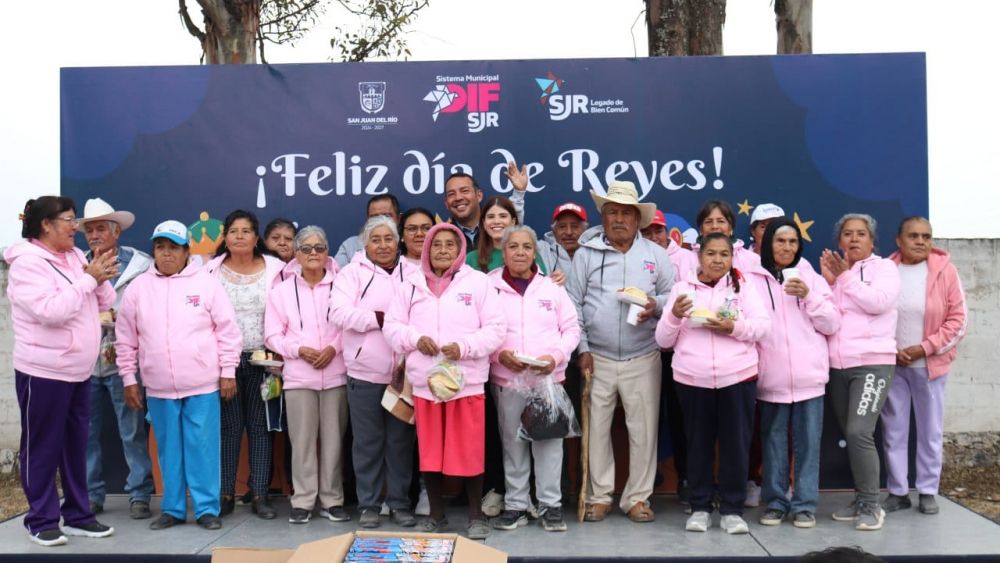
{"x":857,"y":395}
{"x":517,"y":455}
{"x":382,"y":450}
{"x":317,"y":416}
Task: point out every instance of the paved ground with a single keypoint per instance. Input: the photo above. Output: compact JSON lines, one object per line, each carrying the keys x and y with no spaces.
{"x":956,"y":530}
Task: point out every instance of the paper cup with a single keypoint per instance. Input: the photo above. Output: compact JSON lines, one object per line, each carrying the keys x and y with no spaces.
{"x":689,"y":294}
{"x":790,"y":273}
{"x":633,"y":314}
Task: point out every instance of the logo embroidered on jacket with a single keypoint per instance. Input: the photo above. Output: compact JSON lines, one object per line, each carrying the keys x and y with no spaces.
{"x":193,"y":300}
{"x":649,"y":266}
{"x":465,"y":298}
{"x":545,"y":304}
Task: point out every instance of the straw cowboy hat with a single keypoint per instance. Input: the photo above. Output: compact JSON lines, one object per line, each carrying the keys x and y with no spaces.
{"x":98,"y":210}
{"x":625,"y":194}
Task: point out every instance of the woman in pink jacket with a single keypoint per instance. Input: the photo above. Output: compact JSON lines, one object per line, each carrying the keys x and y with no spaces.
{"x":448,"y":311}
{"x":55,"y":296}
{"x":862,"y":355}
{"x":932,"y":320}
{"x":794,"y":368}
{"x":542,"y":323}
{"x":177,"y":327}
{"x":713,"y":325}
{"x":382,"y":449}
{"x":298,"y":326}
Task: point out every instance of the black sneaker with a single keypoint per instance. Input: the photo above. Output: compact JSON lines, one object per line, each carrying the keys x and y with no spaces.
{"x":227,"y":506}
{"x":369,"y":518}
{"x":139,"y":510}
{"x":49,"y":538}
{"x":92,"y":530}
{"x":772,"y":517}
{"x":299,"y":516}
{"x":892,"y":503}
{"x":262,"y":508}
{"x":552,"y":519}
{"x":927,"y":505}
{"x":403,"y":517}
{"x":209,"y":521}
{"x":164,"y":521}
{"x":335,"y":514}
{"x":510,"y":519}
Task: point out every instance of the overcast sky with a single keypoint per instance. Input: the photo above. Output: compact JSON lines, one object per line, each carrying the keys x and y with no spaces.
{"x":963,"y":120}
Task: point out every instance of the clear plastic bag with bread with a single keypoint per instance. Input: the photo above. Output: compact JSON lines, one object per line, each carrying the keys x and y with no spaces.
{"x":445,"y":379}
{"x":548,"y":413}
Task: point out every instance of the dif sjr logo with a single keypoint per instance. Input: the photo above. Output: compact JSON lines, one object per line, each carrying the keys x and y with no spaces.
{"x":473,"y":94}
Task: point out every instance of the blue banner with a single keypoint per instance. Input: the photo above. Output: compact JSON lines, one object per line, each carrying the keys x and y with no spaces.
{"x":818,"y":135}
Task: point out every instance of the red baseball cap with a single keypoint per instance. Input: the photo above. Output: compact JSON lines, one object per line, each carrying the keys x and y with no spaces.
{"x":658,"y":219}
{"x":570,"y":207}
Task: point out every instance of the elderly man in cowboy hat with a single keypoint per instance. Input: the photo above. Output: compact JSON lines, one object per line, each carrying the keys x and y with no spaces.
{"x":102,"y":226}
{"x":618,"y":350}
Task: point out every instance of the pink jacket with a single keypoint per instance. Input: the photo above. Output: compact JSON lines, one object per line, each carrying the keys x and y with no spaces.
{"x":55,"y":310}
{"x":180,"y":331}
{"x":866,"y":297}
{"x":945,"y":314}
{"x":703,"y":358}
{"x":542,"y":321}
{"x":467,"y":312}
{"x":361,"y":289}
{"x":794,"y":358}
{"x":299,"y":315}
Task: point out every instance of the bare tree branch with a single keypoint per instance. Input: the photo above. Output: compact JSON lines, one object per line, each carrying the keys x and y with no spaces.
{"x":190,"y":25}
{"x":302,"y":11}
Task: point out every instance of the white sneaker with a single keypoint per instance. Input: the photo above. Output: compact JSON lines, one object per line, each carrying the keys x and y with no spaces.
{"x":734,"y":524}
{"x":492,"y":504}
{"x":753,"y":495}
{"x":698,"y":522}
{"x":423,"y":503}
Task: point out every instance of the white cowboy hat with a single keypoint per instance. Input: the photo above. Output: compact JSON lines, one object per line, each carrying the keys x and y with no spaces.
{"x":98,"y":210}
{"x":625,"y":194}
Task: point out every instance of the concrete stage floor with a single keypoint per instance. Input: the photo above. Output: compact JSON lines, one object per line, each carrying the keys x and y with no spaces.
{"x":955,"y":531}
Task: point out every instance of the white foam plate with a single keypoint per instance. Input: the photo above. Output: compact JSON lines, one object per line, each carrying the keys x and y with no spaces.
{"x":530,"y":360}
{"x":626,"y":298}
{"x":697,"y":321}
{"x":267,"y":363}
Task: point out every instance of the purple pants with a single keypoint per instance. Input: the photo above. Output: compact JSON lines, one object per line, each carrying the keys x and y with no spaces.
{"x":54,"y":420}
{"x":913,"y":384}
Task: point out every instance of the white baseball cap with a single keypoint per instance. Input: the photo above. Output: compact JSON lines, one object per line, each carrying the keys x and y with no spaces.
{"x":174,"y":231}
{"x":766,"y":211}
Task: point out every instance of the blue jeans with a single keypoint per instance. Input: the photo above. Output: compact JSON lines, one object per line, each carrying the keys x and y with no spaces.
{"x":131,"y":428}
{"x":807,"y":429}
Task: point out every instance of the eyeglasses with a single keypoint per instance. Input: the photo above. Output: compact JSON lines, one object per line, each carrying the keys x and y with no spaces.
{"x":310,"y":248}
{"x":71,"y":220}
{"x":412,"y":229}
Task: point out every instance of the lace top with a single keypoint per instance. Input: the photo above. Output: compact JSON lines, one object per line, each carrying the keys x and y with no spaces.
{"x":248,"y":294}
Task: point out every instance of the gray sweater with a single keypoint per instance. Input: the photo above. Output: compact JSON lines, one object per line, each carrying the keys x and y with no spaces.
{"x":599,"y":271}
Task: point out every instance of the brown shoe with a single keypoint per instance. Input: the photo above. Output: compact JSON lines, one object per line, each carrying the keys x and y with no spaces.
{"x":596,"y":512}
{"x":641,"y":512}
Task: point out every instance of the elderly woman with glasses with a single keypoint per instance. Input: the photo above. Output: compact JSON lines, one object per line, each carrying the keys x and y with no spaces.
{"x":297,"y":326}
{"x":383,"y":445}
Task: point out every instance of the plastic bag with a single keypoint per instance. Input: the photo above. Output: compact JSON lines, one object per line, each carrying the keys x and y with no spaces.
{"x":270,"y":388}
{"x":548,"y":413}
{"x":445,"y":379}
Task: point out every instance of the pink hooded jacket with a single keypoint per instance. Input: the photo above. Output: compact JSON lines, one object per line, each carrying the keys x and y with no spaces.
{"x":703,"y":358}
{"x":794,"y":358}
{"x":467,"y":311}
{"x":299,"y":315}
{"x":541,"y":322}
{"x":945,"y":313}
{"x":361,"y":289}
{"x":866,"y":297}
{"x":55,"y":309}
{"x":180,"y":331}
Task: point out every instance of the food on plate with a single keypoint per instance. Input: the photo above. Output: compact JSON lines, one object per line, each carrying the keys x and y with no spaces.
{"x":636,"y":293}
{"x":107,"y":317}
{"x":260,"y":356}
{"x":703,"y":313}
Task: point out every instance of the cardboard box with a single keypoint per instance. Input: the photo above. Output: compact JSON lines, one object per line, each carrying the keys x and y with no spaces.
{"x":334,"y":549}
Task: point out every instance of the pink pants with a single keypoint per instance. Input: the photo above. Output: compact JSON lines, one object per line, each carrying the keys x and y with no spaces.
{"x":913,"y":384}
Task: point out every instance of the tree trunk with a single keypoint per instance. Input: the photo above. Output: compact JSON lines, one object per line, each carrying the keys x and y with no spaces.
{"x":230,"y":31}
{"x":685,"y":27}
{"x":793,"y":18}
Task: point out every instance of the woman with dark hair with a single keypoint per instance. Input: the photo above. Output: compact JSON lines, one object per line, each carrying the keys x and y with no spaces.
{"x":793,"y":371}
{"x":866,"y":289}
{"x":278,"y":237}
{"x":498,"y":214}
{"x":55,"y":297}
{"x":713,"y":325}
{"x":247,"y":273}
{"x":414,"y":224}
{"x":716,"y":216}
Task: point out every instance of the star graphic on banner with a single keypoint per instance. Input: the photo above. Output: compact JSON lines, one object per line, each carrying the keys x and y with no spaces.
{"x":442,"y":97}
{"x":549,"y":85}
{"x":803,"y":226}
{"x":745,"y":207}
